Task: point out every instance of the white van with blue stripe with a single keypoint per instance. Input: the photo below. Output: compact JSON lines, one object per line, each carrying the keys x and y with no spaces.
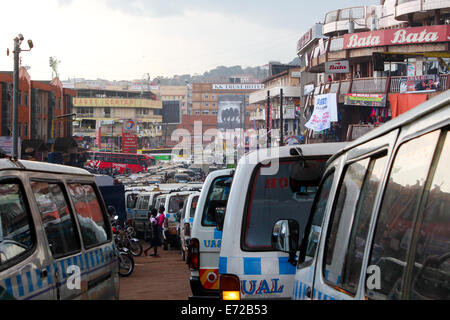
{"x":380,"y":223}
{"x":269,"y":185}
{"x":187,"y":219}
{"x":55,"y":234}
{"x":206,"y":239}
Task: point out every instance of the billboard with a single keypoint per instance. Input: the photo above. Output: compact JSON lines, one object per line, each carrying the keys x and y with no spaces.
{"x":171,"y":112}
{"x":129,"y":136}
{"x":427,"y":83}
{"x":230,"y":111}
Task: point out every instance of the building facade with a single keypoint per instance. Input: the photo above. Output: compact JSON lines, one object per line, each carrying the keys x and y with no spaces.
{"x":379,"y":61}
{"x":45,"y":114}
{"x":100,"y":115}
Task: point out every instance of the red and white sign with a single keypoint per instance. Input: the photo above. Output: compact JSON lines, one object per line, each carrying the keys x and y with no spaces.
{"x":337,"y":67}
{"x":416,"y":35}
{"x":129,"y":142}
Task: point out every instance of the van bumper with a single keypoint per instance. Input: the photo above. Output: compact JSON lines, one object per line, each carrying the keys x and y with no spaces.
{"x":198,"y":292}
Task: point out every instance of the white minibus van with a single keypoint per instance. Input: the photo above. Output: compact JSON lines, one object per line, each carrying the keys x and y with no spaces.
{"x":269,"y":185}
{"x":55,"y":234}
{"x":205,"y":243}
{"x":380,"y":223}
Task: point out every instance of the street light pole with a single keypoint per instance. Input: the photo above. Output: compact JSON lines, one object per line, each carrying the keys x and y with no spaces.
{"x":15,"y":131}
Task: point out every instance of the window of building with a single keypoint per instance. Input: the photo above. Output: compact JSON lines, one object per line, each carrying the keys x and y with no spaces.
{"x":206,"y":104}
{"x":197,"y":112}
{"x":205,"y":111}
{"x":206,"y":96}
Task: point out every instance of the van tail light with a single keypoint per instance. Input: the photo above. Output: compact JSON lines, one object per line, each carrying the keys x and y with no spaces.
{"x":194,"y":254}
{"x":229,"y":287}
{"x":187,"y":230}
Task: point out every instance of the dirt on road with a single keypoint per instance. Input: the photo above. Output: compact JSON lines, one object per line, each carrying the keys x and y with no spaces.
{"x":163,"y":278}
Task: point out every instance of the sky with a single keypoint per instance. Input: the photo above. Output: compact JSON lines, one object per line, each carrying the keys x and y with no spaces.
{"x":126,"y":39}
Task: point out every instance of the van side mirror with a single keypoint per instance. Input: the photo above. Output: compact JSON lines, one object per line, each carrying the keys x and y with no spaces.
{"x":285,"y":237}
{"x":219,"y":215}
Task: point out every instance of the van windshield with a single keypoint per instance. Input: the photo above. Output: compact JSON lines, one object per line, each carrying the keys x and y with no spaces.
{"x":193,"y":206}
{"x":288,"y":194}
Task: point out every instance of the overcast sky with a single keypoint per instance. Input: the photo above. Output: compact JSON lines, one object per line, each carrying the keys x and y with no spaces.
{"x":125,"y":39}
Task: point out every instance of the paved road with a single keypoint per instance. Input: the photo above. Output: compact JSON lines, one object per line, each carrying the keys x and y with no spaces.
{"x":164,"y":278}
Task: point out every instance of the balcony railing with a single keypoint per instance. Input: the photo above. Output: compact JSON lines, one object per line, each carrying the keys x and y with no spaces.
{"x":380,"y":85}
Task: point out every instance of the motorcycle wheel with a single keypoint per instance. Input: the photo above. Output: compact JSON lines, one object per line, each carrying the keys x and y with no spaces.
{"x":126,"y":264}
{"x":135,"y":248}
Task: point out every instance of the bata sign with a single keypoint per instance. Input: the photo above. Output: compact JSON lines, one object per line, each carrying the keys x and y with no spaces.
{"x":429,"y":34}
{"x":337,"y":67}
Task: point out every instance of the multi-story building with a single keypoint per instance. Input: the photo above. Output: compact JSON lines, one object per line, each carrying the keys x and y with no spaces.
{"x":206,"y":97}
{"x":175,"y":93}
{"x":109,"y":109}
{"x":378,"y":60}
{"x":283,"y":85}
{"x":45,"y":114}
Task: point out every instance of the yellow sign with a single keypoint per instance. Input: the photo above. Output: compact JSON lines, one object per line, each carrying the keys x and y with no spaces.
{"x":117,"y":102}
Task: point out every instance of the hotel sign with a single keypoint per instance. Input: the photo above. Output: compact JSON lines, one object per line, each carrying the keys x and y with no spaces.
{"x":117,"y":102}
{"x":405,"y":36}
{"x":238,"y":86}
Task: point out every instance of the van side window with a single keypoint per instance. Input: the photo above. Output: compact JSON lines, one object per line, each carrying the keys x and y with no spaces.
{"x":288,"y":194}
{"x":144,"y":203}
{"x":317,"y":213}
{"x":341,"y":218}
{"x":56,"y":218}
{"x":361,"y":223}
{"x":89,"y":214}
{"x":396,"y":217}
{"x":16,"y":238}
{"x":217,"y":197}
{"x":431,"y":269}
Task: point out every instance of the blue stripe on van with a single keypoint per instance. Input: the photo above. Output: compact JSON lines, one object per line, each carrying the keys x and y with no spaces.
{"x":92,"y":259}
{"x":97,"y":258}
{"x":86,"y":259}
{"x":252,"y":266}
{"x":223,"y":261}
{"x":49,"y":275}
{"x":285,"y":267}
{"x":217,"y":234}
{"x":30,"y":282}
{"x":191,"y":220}
{"x":63,"y":269}
{"x":102,"y":257}
{"x":20,"y":285}
{"x":8,"y":285}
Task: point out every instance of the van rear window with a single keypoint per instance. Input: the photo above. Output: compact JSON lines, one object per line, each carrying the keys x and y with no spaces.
{"x":217,"y":197}
{"x":288,"y":194}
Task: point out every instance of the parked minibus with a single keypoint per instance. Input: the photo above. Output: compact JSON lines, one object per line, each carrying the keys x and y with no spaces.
{"x":269,"y":185}
{"x":205,"y":243}
{"x":55,"y":235}
{"x":380,"y":223}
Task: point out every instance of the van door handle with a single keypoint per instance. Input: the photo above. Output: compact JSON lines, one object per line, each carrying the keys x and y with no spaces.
{"x":308,"y":292}
{"x":44,"y":273}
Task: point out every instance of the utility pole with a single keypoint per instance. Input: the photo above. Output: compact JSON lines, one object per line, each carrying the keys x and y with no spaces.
{"x":15,"y":132}
{"x":15,"y":151}
{"x":281,"y":119}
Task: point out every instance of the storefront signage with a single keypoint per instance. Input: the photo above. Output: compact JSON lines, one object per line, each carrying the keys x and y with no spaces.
{"x":116,"y":102}
{"x":368,"y":100}
{"x":337,"y":67}
{"x":427,"y":34}
{"x":325,"y":111}
{"x":304,"y":40}
{"x":240,"y":86}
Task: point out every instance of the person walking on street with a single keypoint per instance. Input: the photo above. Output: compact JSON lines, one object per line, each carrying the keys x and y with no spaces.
{"x":160,"y":223}
{"x":155,"y":239}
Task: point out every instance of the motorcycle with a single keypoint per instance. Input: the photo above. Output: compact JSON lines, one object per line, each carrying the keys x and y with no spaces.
{"x":126,"y":261}
{"x":126,"y":238}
